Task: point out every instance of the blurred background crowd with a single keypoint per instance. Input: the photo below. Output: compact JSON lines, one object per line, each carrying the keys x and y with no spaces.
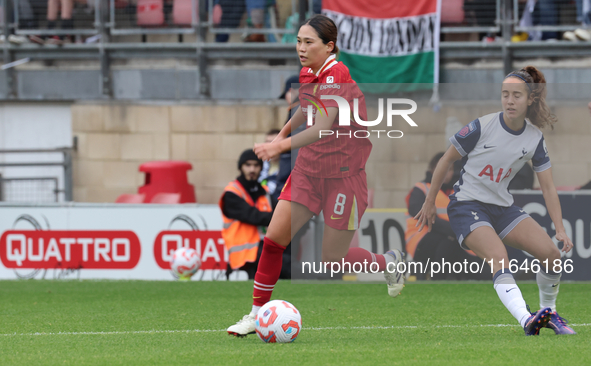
{"x":58,"y":21}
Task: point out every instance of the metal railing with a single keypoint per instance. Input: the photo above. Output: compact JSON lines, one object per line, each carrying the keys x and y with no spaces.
{"x":2,"y":18}
{"x":25,"y":189}
{"x":65,"y":163}
{"x":502,"y":17}
{"x":125,"y":17}
{"x":141,"y":17}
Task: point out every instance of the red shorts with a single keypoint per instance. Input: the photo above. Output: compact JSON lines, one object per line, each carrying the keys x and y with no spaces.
{"x":342,"y":200}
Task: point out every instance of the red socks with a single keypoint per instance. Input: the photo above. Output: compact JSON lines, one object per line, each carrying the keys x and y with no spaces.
{"x":272,"y":259}
{"x":267,"y":272}
{"x":358,"y":255}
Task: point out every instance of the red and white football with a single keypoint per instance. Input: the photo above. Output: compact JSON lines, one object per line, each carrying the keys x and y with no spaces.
{"x":278,"y":321}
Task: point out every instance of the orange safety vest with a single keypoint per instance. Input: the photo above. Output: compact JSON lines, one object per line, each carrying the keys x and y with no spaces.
{"x":241,"y":239}
{"x":412,"y":234}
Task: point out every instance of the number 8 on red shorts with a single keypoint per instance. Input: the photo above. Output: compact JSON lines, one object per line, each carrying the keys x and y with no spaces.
{"x":342,"y":200}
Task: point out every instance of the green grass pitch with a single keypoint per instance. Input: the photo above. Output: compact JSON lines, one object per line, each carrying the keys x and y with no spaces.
{"x":173,"y":323}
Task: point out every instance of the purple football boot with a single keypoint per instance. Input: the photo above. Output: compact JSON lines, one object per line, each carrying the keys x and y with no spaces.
{"x":537,"y":321}
{"x":559,"y":325}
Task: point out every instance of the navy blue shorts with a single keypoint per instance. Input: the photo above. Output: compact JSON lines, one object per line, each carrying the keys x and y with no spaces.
{"x":466,"y":216}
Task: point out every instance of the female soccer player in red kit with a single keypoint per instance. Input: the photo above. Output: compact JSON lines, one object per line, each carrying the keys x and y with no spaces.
{"x":329,"y":174}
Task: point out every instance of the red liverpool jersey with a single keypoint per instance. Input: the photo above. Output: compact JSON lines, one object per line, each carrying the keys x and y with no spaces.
{"x":333,"y":156}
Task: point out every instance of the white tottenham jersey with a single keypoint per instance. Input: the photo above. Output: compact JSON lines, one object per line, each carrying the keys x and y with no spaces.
{"x":493,"y":154}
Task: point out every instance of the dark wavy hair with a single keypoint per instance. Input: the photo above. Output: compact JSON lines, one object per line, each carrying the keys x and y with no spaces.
{"x":538,"y":112}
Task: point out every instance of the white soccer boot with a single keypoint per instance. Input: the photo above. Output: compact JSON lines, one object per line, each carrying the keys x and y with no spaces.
{"x":394,"y":279}
{"x":243,"y":327}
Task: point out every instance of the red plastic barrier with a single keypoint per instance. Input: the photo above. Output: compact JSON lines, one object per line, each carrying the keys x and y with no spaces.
{"x":166,"y":198}
{"x":130,"y":198}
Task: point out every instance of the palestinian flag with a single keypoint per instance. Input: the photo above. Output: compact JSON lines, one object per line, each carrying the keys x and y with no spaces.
{"x":388,"y":41}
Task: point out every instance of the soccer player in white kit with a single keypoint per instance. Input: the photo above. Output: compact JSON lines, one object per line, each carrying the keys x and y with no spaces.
{"x":481,"y":210}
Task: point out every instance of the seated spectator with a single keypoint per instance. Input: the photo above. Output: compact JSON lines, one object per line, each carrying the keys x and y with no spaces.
{"x":256,"y":12}
{"x":26,"y":20}
{"x":540,"y":12}
{"x":270,"y":170}
{"x":483,"y":11}
{"x":440,"y":243}
{"x":53,"y":8}
{"x":246,"y":208}
{"x":584,"y":12}
{"x":546,"y":13}
{"x":227,"y":14}
{"x":317,"y":6}
{"x":293,"y":21}
{"x":584,"y":17}
{"x":27,"y":14}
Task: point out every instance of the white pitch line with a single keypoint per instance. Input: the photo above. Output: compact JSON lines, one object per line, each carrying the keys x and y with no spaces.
{"x":434,"y":326}
{"x":114,"y":333}
{"x":223,"y":330}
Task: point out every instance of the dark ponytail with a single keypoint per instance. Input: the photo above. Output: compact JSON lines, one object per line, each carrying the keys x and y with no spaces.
{"x":538,"y":112}
{"x":325,"y":28}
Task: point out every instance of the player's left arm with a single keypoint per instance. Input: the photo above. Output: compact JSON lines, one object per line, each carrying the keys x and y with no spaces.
{"x":543,"y":168}
{"x":553,"y":205}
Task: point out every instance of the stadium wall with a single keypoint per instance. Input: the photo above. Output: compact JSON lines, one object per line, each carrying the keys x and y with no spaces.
{"x":32,"y":126}
{"x":115,"y":138}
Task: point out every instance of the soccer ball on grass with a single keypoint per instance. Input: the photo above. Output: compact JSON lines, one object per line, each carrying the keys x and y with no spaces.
{"x":278,"y":321}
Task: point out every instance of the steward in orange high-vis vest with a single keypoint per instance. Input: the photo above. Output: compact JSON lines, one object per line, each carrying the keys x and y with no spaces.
{"x":246,"y":207}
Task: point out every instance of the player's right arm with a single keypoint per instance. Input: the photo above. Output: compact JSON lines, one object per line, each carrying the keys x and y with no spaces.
{"x":462,"y":143}
{"x":306,"y":137}
{"x":281,"y":143}
{"x":428,"y":213}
